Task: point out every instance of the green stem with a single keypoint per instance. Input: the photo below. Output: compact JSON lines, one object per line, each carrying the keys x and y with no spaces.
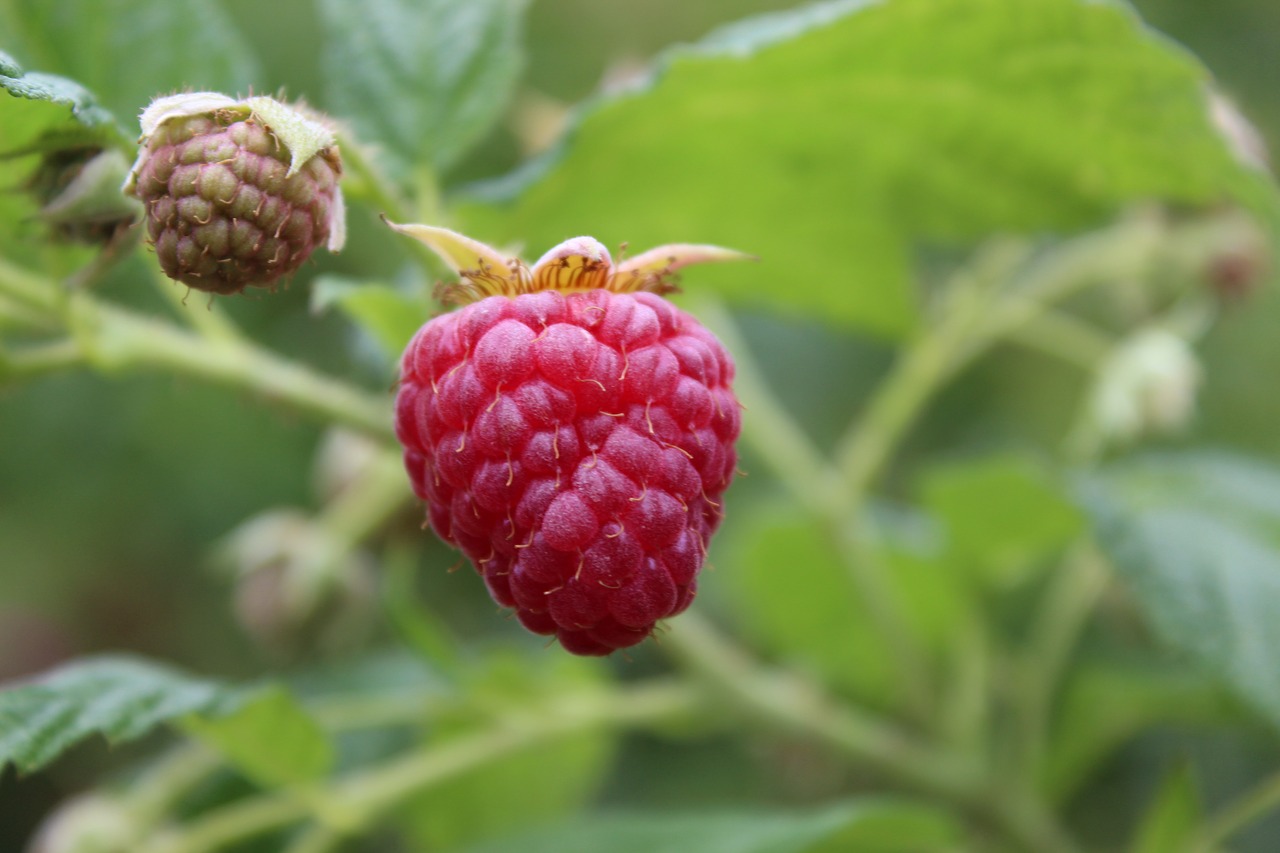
{"x":1061,"y":616}
{"x":1064,"y":337}
{"x":374,"y":187}
{"x":315,"y":839}
{"x":354,"y":803}
{"x":39,"y":293}
{"x":788,"y":702}
{"x":781,"y":442}
{"x":938,"y":352}
{"x":415,"y":624}
{"x":370,"y":184}
{"x":38,"y":359}
{"x":198,"y":311}
{"x":965,"y":704}
{"x":14,"y":314}
{"x":154,"y":796}
{"x":116,"y":339}
{"x":775,"y":435}
{"x":360,"y":511}
{"x":1255,"y":804}
{"x":361,"y":711}
{"x":112,"y":338}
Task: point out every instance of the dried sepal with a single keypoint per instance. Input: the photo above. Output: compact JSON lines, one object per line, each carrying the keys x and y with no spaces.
{"x":575,"y":265}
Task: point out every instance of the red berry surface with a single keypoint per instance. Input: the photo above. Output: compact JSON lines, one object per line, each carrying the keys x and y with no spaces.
{"x":575,"y":446}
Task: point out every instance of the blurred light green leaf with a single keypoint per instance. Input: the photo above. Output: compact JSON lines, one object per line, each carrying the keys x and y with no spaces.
{"x":793,"y":596}
{"x":872,"y":826}
{"x":272,"y":739}
{"x":1174,"y":817}
{"x":389,"y":315}
{"x":422,"y":79}
{"x":186,"y":44}
{"x":1197,"y":537}
{"x":1001,"y":512}
{"x":833,"y":139}
{"x":536,"y":785}
{"x":120,"y":698}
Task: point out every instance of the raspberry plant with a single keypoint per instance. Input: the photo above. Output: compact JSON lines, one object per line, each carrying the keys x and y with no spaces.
{"x":986,"y":585}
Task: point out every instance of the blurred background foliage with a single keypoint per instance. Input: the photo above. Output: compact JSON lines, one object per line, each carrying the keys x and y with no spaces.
{"x":112,"y":489}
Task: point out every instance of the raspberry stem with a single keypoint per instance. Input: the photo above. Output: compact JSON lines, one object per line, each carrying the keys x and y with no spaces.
{"x":35,"y":360}
{"x":112,"y":339}
{"x":815,"y":485}
{"x":212,"y":322}
{"x":1236,"y":815}
{"x":351,"y":804}
{"x":789,"y":702}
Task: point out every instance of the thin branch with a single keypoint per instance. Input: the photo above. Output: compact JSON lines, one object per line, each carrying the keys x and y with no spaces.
{"x":350,"y":805}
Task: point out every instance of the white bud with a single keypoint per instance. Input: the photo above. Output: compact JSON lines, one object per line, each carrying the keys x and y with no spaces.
{"x":1148,"y":386}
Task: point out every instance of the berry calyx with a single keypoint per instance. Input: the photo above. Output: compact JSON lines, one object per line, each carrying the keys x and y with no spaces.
{"x":572,"y":433}
{"x":237,"y":193}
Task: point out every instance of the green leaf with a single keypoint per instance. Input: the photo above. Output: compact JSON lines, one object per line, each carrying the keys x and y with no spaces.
{"x":1197,"y":536}
{"x":536,"y":785}
{"x":1174,"y":818}
{"x":41,"y":113}
{"x":1001,"y":513}
{"x":129,"y":51}
{"x":389,"y":315}
{"x":271,"y":739}
{"x":868,"y":827}
{"x":264,"y":732}
{"x":1105,"y":703}
{"x":59,"y":91}
{"x":119,"y":698}
{"x":424,"y":79}
{"x":833,"y":140}
{"x":793,"y":596}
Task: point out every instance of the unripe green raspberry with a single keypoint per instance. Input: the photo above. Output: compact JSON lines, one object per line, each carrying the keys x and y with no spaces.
{"x":238,"y":193}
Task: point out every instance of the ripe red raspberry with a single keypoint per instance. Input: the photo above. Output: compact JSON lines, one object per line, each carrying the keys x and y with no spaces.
{"x":572,"y":433}
{"x":237,"y":193}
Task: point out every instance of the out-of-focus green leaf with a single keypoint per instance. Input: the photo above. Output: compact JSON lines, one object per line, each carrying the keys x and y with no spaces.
{"x":875,"y":826}
{"x":40,"y":113}
{"x":1174,"y":817}
{"x":794,"y":596}
{"x":1001,"y":513}
{"x":130,"y":51}
{"x":118,"y":697}
{"x":831,"y":140}
{"x":271,"y":739}
{"x":423,"y":79}
{"x":537,"y":785}
{"x":389,"y":315}
{"x":1197,"y":536}
{"x":1104,"y":704}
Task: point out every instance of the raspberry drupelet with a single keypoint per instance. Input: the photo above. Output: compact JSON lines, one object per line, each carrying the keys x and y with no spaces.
{"x":237,"y":193}
{"x":572,"y":432}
